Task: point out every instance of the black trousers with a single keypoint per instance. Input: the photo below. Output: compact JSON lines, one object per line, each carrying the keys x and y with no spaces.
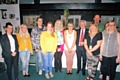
{"x":12,"y":61}
{"x":101,"y":68}
{"x":81,"y":53}
{"x":57,"y":61}
{"x":108,"y":67}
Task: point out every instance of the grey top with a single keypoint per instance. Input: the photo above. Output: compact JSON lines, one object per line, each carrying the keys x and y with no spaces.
{"x":35,"y":36}
{"x":110,"y":47}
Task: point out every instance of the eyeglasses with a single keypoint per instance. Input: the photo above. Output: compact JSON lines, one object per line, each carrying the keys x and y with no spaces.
{"x":70,"y":26}
{"x":111,"y":25}
{"x":9,"y":28}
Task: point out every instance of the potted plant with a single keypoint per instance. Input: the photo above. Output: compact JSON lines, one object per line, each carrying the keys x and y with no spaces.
{"x":66,"y":14}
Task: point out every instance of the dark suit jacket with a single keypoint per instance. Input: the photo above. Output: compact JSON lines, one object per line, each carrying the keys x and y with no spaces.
{"x":78,"y":35}
{"x":5,"y":43}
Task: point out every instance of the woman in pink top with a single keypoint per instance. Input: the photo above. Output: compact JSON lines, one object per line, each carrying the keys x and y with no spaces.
{"x":59,"y":50}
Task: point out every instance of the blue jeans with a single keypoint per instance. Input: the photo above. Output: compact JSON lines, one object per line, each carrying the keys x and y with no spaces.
{"x":24,"y":57}
{"x":40,"y":60}
{"x":48,"y":62}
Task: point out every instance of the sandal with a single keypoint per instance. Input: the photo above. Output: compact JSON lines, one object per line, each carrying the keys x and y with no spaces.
{"x":47,"y":76}
{"x":87,"y":78}
{"x":91,"y":78}
{"x":51,"y":75}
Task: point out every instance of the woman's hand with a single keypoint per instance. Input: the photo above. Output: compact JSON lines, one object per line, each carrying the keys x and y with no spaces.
{"x":69,"y":50}
{"x":89,"y":53}
{"x":13,"y":54}
{"x":118,"y":60}
{"x":36,"y":50}
{"x":100,"y":57}
{"x":31,"y":53}
{"x":53,"y":53}
{"x":58,"y":49}
{"x":44,"y":53}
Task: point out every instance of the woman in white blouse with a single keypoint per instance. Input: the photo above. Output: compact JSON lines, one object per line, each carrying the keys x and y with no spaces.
{"x":70,"y":47}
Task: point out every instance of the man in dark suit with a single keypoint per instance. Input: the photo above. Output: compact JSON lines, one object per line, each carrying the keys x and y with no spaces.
{"x":80,"y":51}
{"x":10,"y":51}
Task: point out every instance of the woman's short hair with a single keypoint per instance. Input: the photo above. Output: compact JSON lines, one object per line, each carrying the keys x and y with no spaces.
{"x":8,"y":23}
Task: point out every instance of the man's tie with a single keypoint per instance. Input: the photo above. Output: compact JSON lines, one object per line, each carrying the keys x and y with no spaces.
{"x":81,"y":37}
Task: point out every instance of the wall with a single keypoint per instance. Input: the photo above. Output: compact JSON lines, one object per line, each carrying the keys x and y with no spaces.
{"x":52,"y":12}
{"x":53,"y":15}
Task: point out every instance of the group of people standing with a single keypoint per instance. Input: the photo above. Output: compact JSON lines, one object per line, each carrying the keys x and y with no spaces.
{"x":92,"y":45}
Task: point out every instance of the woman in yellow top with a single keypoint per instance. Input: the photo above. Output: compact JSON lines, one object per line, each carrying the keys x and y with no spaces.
{"x":48,"y":42}
{"x":25,"y":48}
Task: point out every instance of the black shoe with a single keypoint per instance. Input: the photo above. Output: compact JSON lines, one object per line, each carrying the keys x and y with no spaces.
{"x":56,"y":71}
{"x":83,"y":72}
{"x":28,"y":75}
{"x":67,"y":73}
{"x":70,"y":73}
{"x":24,"y":75}
{"x":77,"y":71}
{"x":60,"y":70}
{"x":16,"y":79}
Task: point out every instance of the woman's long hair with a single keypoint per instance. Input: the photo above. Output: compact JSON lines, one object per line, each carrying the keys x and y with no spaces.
{"x":21,"y":33}
{"x":56,"y":25}
{"x":89,"y":32}
{"x":52,"y":31}
{"x":115,"y":30}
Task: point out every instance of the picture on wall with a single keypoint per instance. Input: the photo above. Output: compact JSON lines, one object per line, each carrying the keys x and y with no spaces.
{"x":11,"y":16}
{"x":4,"y":14}
{"x":9,"y":13}
{"x":30,"y":20}
{"x":8,"y":1}
{"x":75,"y":19}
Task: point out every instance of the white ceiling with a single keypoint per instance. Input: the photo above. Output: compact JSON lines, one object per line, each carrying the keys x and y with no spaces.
{"x":66,"y":1}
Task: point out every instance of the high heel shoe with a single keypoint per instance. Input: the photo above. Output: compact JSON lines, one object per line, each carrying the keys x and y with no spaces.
{"x":70,"y":71}
{"x":27,"y":75}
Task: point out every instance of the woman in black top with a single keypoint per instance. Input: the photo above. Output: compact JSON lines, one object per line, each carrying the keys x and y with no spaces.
{"x":92,"y":44}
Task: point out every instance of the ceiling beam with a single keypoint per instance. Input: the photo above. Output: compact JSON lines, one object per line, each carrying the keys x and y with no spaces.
{"x":72,"y":6}
{"x":36,"y":1}
{"x":98,"y":1}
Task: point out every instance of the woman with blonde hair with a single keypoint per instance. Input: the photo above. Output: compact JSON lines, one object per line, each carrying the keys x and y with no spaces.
{"x":110,"y":52}
{"x":101,"y":69}
{"x":48,"y":43}
{"x":60,"y":45}
{"x":25,"y":48}
{"x":92,"y":43}
{"x":70,"y":46}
